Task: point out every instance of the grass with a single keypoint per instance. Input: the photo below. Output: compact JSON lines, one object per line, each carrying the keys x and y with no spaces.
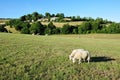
{"x":27,"y":57}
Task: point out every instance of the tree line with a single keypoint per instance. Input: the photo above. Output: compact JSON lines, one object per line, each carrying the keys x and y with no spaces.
{"x":84,"y":28}
{"x":35,"y":16}
{"x":25,"y":25}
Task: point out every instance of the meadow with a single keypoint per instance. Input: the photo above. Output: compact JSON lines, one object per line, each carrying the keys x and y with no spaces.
{"x":27,"y":57}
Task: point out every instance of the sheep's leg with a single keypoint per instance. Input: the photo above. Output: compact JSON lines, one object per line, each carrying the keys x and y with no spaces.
{"x":79,"y":61}
{"x":73,"y":60}
{"x":88,"y":59}
{"x":84,"y":60}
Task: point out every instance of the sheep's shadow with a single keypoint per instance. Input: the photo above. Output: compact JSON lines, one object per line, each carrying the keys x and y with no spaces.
{"x":101,"y":59}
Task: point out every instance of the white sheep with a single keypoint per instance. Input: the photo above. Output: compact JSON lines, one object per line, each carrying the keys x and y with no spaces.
{"x":79,"y":54}
{"x":73,"y":53}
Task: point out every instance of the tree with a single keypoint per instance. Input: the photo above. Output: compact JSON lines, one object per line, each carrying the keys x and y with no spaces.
{"x":23,"y":18}
{"x":85,"y":27}
{"x":60,"y":17}
{"x":35,"y":16}
{"x":25,"y":30}
{"x":67,"y":29}
{"x":73,"y":18}
{"x":85,"y":19}
{"x":56,"y":30}
{"x":2,"y":28}
{"x":78,"y":18}
{"x":12,"y":22}
{"x":48,"y":15}
{"x":99,"y":20}
{"x":29,"y":17}
{"x":90,"y":19}
{"x":113,"y":28}
{"x":18,"y":25}
{"x":95,"y":27}
{"x":36,"y":28}
{"x":53,"y":15}
{"x":80,"y":29}
{"x":75,"y":30}
{"x":40,"y":16}
{"x":50,"y":28}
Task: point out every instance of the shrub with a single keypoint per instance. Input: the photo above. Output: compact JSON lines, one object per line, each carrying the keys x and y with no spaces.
{"x":37,"y":27}
{"x":2,"y":28}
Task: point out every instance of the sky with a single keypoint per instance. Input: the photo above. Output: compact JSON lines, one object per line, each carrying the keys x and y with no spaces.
{"x":106,"y":9}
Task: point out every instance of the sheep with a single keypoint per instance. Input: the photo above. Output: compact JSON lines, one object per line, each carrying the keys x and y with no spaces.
{"x":73,"y":53}
{"x":79,"y":54}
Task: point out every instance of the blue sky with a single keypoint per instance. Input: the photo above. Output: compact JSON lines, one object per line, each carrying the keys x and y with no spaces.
{"x":106,"y":9}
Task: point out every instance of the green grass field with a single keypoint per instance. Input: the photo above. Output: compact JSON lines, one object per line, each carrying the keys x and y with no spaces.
{"x":27,"y":57}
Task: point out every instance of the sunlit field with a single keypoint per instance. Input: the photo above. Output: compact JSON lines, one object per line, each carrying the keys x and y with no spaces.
{"x":27,"y":57}
{"x":60,"y":24}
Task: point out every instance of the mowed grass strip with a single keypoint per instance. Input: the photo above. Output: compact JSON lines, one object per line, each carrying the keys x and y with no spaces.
{"x":60,"y":24}
{"x":27,"y":57}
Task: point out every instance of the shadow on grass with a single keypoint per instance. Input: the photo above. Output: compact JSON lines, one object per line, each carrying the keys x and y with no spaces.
{"x":101,"y":59}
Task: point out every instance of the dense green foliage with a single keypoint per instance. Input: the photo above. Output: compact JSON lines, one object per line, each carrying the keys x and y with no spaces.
{"x":59,"y":17}
{"x":112,"y":28}
{"x":2,"y":28}
{"x":26,"y":57}
{"x":36,"y":16}
{"x":30,"y":24}
{"x":68,"y":29}
{"x":37,"y":27}
{"x":50,"y":29}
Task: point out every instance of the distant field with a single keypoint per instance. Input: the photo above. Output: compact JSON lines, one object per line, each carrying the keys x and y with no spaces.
{"x":57,"y":24}
{"x":13,"y":30}
{"x":60,"y":24}
{"x":3,"y":21}
{"x":27,"y":57}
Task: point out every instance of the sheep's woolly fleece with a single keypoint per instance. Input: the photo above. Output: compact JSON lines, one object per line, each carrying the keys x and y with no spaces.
{"x":79,"y":54}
